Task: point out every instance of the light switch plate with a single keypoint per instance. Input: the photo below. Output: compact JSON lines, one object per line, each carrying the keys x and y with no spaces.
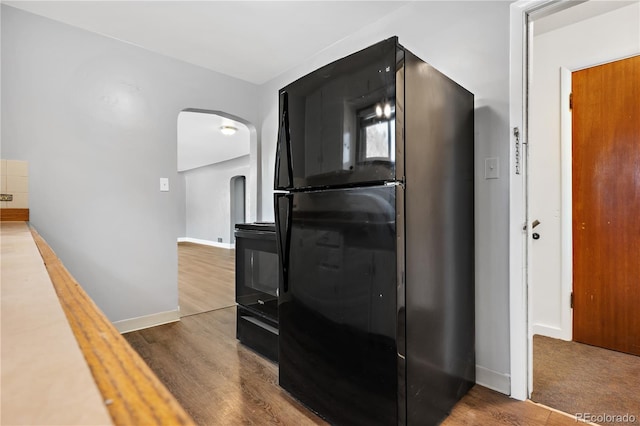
{"x":164,"y":184}
{"x":491,"y":168}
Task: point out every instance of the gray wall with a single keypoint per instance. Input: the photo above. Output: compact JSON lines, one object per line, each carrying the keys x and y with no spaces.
{"x":96,"y":119}
{"x":468,"y":41}
{"x":208,"y":199}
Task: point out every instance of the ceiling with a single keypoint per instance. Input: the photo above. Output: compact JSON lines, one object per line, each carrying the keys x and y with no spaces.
{"x":201,"y":143}
{"x":250,"y":40}
{"x":574,"y":12}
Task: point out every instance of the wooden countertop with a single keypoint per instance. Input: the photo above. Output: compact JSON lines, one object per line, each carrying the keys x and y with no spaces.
{"x":45,"y":379}
{"x":63,"y":362}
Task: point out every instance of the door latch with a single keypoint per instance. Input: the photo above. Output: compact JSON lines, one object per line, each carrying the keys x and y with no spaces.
{"x":535,"y":235}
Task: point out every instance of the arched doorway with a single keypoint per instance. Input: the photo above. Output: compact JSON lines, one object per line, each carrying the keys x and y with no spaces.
{"x":216,"y":154}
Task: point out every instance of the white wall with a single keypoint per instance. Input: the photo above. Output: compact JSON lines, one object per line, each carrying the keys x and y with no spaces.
{"x":468,"y":41}
{"x":590,"y":42}
{"x":96,"y":120}
{"x":208,"y":198}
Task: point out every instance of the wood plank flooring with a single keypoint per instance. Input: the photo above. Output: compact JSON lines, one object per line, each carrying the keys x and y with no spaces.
{"x":205,"y":278}
{"x":221,"y":382}
{"x":482,"y":406}
{"x":216,"y":379}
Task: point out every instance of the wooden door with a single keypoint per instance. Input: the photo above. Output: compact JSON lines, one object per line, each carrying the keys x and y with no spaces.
{"x":606,"y":205}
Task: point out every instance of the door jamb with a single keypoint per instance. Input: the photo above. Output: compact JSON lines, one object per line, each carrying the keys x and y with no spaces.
{"x":566,"y":209}
{"x":522,"y":12}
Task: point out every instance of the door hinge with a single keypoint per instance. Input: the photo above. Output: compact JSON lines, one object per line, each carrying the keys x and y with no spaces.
{"x":570,"y":100}
{"x":571,"y":300}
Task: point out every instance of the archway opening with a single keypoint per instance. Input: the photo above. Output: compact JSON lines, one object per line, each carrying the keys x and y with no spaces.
{"x":214,"y":159}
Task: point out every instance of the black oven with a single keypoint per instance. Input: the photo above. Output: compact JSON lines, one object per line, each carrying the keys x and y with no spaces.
{"x":257,"y":276}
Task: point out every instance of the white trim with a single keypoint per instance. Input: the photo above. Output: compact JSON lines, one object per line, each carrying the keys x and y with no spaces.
{"x":206,"y":242}
{"x":549,"y":331}
{"x":518,"y":303}
{"x":521,"y":335}
{"x":566,"y":209}
{"x":492,"y":379}
{"x":138,"y":323}
{"x":521,"y":351}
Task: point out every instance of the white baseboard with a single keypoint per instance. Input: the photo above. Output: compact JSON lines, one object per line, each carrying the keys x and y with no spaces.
{"x":206,"y":242}
{"x":545,"y":330}
{"x":133,"y":324}
{"x":499,"y":382}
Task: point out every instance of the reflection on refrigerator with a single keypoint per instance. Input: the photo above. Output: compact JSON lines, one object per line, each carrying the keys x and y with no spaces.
{"x":374,"y":225}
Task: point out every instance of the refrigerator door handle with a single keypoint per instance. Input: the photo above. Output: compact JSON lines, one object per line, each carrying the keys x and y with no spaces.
{"x":283,"y":207}
{"x":284,"y":168}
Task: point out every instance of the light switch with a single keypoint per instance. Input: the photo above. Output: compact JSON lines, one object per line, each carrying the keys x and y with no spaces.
{"x":491,"y":168}
{"x":164,"y":184}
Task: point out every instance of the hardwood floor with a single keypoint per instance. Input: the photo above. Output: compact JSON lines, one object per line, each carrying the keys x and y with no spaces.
{"x":216,"y":379}
{"x":482,"y":406}
{"x":221,"y":382}
{"x":205,"y":278}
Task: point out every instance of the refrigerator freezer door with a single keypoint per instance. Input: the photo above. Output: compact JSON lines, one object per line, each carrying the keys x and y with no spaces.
{"x":340,"y":122}
{"x":337,"y":305}
{"x":283,"y":173}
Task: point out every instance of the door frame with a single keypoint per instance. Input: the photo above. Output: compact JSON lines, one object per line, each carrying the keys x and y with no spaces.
{"x":566,"y":182}
{"x":233,"y":201}
{"x":522,"y":14}
{"x":566,"y":163}
{"x":566,"y":208}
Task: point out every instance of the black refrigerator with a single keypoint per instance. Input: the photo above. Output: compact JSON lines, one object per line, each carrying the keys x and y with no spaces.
{"x":375,"y":234}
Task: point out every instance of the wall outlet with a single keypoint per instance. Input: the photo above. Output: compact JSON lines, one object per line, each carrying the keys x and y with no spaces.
{"x":164,"y":184}
{"x":219,"y":239}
